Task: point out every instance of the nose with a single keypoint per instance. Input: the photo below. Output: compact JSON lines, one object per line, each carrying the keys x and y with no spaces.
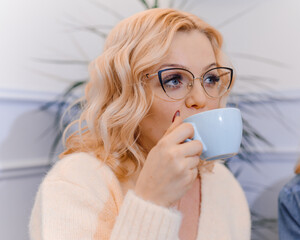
{"x":197,"y":97}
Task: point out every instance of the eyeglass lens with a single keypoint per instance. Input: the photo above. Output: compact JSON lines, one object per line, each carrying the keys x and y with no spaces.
{"x":177,"y":83}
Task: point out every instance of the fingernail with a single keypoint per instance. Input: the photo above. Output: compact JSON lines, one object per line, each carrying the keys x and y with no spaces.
{"x":177,"y":113}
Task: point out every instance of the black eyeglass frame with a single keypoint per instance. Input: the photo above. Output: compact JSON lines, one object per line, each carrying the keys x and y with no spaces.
{"x":159,"y":73}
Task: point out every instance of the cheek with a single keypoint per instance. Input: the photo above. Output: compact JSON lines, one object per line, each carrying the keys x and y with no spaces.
{"x":161,"y":119}
{"x":216,"y":103}
{"x":158,"y":120}
{"x":213,"y":104}
{"x":163,"y":112}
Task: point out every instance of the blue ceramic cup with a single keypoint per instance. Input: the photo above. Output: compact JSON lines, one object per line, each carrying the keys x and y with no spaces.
{"x":219,"y":130}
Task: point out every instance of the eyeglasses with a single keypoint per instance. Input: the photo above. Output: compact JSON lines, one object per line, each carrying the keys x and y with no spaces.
{"x":177,"y":83}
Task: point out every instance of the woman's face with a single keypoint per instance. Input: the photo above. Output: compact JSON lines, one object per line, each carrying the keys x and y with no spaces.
{"x":193,"y":51}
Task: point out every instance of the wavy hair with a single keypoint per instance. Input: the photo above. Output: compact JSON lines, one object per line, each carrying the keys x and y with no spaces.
{"x":297,"y":167}
{"x":115,"y":100}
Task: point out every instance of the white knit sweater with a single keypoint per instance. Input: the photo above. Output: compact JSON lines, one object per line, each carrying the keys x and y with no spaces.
{"x":81,"y":198}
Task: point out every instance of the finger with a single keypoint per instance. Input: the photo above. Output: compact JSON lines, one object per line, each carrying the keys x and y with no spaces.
{"x":193,"y":174}
{"x":192,"y":162}
{"x":177,"y":120}
{"x":180,"y":133}
{"x":191,"y":148}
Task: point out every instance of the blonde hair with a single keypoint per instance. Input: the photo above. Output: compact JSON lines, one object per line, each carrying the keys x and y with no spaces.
{"x":297,"y":167}
{"x":115,"y":98}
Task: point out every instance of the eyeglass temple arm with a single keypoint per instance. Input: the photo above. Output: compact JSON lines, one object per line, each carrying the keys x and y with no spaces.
{"x":230,"y":79}
{"x":150,"y":75}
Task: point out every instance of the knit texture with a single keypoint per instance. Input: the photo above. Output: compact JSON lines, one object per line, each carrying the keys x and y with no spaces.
{"x":81,"y":198}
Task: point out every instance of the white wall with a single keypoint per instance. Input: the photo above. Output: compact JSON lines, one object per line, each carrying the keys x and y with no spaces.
{"x":261,"y":37}
{"x":273,"y":166}
{"x":33,"y":29}
{"x":25,"y":140}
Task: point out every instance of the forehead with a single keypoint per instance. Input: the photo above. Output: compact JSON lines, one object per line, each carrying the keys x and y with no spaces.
{"x":191,"y":49}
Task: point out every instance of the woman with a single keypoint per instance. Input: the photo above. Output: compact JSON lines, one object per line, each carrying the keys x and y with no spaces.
{"x":128,"y":173}
{"x":289,"y":208}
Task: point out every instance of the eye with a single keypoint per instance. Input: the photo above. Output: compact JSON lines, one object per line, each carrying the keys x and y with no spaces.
{"x":211,"y":79}
{"x":172,"y":81}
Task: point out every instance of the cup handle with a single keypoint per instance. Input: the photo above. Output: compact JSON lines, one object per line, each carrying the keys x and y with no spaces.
{"x":197,"y":137}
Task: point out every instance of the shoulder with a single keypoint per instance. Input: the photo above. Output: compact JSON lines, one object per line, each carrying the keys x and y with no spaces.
{"x":82,"y":170}
{"x":290,"y":192}
{"x":293,"y":186}
{"x":221,"y":185}
{"x":229,"y":186}
{"x":289,"y":210}
{"x":224,"y":203}
{"x":221,"y":178}
{"x":80,"y":164}
{"x":76,"y":194}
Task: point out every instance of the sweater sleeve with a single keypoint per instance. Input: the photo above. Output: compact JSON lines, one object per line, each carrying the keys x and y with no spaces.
{"x":81,"y":207}
{"x":139,"y":219}
{"x":64,"y":211}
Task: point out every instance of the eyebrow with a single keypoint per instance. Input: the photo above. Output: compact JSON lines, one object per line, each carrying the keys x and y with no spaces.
{"x":184,"y":67}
